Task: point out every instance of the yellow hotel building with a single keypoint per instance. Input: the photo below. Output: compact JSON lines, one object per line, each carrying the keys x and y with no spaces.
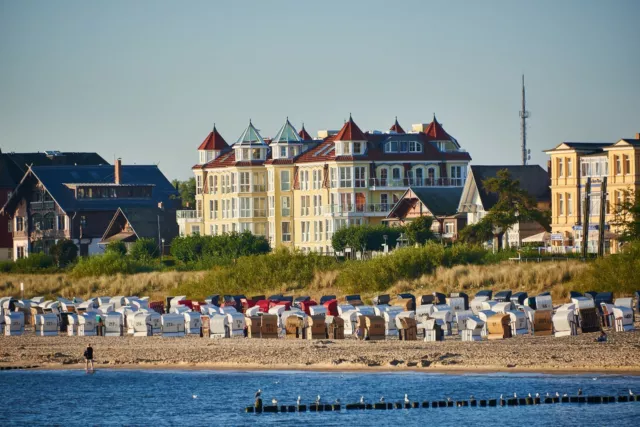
{"x":571,"y":164}
{"x":297,"y":191}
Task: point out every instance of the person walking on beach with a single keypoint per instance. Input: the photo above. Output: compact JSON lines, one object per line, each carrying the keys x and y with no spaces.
{"x":88,"y":358}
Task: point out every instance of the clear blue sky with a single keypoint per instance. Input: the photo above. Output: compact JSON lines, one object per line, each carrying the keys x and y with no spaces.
{"x":146,"y":80}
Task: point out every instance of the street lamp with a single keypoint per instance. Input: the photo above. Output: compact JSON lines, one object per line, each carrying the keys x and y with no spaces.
{"x":83,"y":223}
{"x":385,"y":237}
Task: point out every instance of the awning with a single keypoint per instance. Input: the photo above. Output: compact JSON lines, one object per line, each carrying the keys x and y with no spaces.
{"x":540,"y":237}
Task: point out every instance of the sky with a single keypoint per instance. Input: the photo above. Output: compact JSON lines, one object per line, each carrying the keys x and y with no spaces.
{"x":146,"y":80}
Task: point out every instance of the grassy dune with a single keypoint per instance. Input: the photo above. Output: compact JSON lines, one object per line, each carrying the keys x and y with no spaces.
{"x":555,"y":277}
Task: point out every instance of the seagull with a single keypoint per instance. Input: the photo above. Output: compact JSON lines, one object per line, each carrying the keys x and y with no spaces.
{"x":382,"y":399}
{"x":195,"y":396}
{"x":276,"y":382}
{"x":579,"y":392}
{"x":630,"y":392}
{"x":361,"y":399}
{"x":557,"y":394}
{"x":547,"y":394}
{"x":298,"y":401}
{"x":501,"y":398}
{"x":337,"y":401}
{"x":529,"y":395}
{"x":406,"y":398}
{"x":565,"y":395}
{"x":448,"y":399}
{"x":318,"y":400}
{"x":258,"y":393}
{"x":274,"y":401}
{"x":515,"y":395}
{"x":471,"y":397}
{"x":537,"y":395}
{"x":594,"y":378}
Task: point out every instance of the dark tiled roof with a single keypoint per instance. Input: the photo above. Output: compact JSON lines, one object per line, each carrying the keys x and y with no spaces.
{"x":54,"y":178}
{"x":304,"y":134}
{"x":441,"y":201}
{"x":13,"y":166}
{"x":533,"y":179}
{"x":144,"y":221}
{"x":634,"y":142}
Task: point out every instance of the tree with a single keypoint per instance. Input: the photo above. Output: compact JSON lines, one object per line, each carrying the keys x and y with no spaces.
{"x":64,"y":252}
{"x":144,"y":249}
{"x":626,"y":216}
{"x":514,"y":205}
{"x":187,"y":190}
{"x":419,"y":230}
{"x":369,"y":237}
{"x":116,"y":247}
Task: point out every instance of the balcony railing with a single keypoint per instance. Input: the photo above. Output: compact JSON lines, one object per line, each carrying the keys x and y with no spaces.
{"x":364,"y":208}
{"x":39,"y":206}
{"x":190,"y":215}
{"x":415,"y":182}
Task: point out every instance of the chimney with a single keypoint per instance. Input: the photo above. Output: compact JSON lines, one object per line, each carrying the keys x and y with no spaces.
{"x":118,"y":166}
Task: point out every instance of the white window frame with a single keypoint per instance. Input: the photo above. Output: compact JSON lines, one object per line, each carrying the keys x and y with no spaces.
{"x":285,"y":205}
{"x":285,"y":184}
{"x":286,"y":237}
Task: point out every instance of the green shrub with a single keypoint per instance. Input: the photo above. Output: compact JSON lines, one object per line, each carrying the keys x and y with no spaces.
{"x":116,"y":247}
{"x":371,"y":237}
{"x":144,"y":250}
{"x":34,"y":263}
{"x":64,"y":252}
{"x":419,"y":230}
{"x":229,"y":246}
{"x":614,"y":273}
{"x":110,"y":264}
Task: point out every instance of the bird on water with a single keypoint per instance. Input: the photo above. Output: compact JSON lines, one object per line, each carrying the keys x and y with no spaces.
{"x":258,"y":393}
{"x":274,"y":401}
{"x":298,"y":401}
{"x":406,"y":398}
{"x":382,"y":399}
{"x":362,"y":399}
{"x":579,"y":392}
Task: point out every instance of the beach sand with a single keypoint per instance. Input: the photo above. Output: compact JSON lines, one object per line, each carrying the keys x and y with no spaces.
{"x":523,"y":353}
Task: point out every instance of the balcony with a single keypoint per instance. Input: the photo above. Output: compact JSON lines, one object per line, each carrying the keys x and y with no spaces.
{"x":367,"y":209}
{"x":404,"y":183}
{"x":42,"y":206}
{"x":190,"y":215}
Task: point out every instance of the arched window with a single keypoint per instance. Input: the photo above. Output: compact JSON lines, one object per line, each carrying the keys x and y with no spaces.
{"x":396,"y":175}
{"x":432,"y":175}
{"x":419,"y":177}
{"x":384,"y":176}
{"x":48,"y":221}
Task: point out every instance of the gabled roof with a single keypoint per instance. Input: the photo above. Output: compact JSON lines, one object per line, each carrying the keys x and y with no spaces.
{"x":143,"y":222}
{"x":287,"y":134}
{"x":13,"y":166}
{"x":436,"y":132}
{"x":304,"y":135}
{"x":55,"y":178}
{"x":350,"y":132}
{"x":581,"y":146}
{"x":440,"y":201}
{"x":396,"y":127}
{"x":250,"y":136}
{"x":533,"y":178}
{"x":625,"y":142}
{"x":213,"y":141}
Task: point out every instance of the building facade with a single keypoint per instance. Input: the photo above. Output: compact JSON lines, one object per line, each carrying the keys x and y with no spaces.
{"x":476,"y":201}
{"x":79,"y":203}
{"x":572,"y":163}
{"x":297,"y":191}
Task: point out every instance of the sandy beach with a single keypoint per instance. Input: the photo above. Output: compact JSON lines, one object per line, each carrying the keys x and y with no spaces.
{"x":523,"y":353}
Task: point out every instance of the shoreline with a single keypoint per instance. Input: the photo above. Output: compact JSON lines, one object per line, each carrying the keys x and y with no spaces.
{"x":458,"y":370}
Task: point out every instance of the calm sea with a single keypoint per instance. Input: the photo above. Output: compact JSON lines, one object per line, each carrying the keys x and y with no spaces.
{"x":158,"y":398}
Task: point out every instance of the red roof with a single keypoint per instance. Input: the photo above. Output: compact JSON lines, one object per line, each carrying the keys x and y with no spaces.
{"x":350,"y":132}
{"x":436,"y":132}
{"x":396,"y":127}
{"x":213,"y":141}
{"x":304,"y":134}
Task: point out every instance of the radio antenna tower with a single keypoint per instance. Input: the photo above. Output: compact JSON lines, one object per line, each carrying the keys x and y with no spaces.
{"x":524,"y":115}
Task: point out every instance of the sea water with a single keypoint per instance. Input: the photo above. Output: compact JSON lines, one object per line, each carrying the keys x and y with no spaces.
{"x":168,"y":397}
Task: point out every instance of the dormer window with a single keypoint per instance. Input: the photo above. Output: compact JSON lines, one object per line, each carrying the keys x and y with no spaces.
{"x":346,"y":148}
{"x":283,"y":152}
{"x":357,"y":148}
{"x":403,"y":147}
{"x":256,"y":154}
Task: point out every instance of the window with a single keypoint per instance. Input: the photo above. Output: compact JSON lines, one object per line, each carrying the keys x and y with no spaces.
{"x":233,"y":183}
{"x":360,"y":176}
{"x":270,"y":180}
{"x":199,"y":208}
{"x":317,"y":231}
{"x":259,"y":206}
{"x":334,"y":179}
{"x":285,"y":208}
{"x":396,"y":173}
{"x":391,"y":147}
{"x":198,"y":184}
{"x":272,"y":202}
{"x":305,"y":202}
{"x":403,"y":147}
{"x":317,"y":205}
{"x":456,"y":175}
{"x":245,"y":226}
{"x":327,"y":229}
{"x":627,"y":165}
{"x":448,"y":228}
{"x":384,"y":201}
{"x":225,"y":228}
{"x":560,"y":168}
{"x":316,"y":179}
{"x":560,"y":204}
{"x":244,"y":154}
{"x":9,"y":226}
{"x":256,"y":154}
{"x":211,"y":233}
{"x":357,"y":148}
{"x":245,"y":207}
{"x":304,"y":180}
{"x":419,"y":181}
{"x":415,"y":147}
{"x":283,"y":152}
{"x":569,"y":168}
{"x":304,"y":226}
{"x":618,"y":160}
{"x":19,"y":223}
{"x":195,"y":229}
{"x":286,"y":231}
{"x":384,"y":175}
{"x":215,"y":209}
{"x":20,"y":252}
{"x":569,"y":204}
{"x":245,"y":184}
{"x":233,"y":208}
{"x":214,"y":187}
{"x":346,"y":148}
{"x":211,"y":211}
{"x":259,"y":184}
{"x":260,"y":229}
{"x":345,"y":177}
{"x":285,"y":183}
